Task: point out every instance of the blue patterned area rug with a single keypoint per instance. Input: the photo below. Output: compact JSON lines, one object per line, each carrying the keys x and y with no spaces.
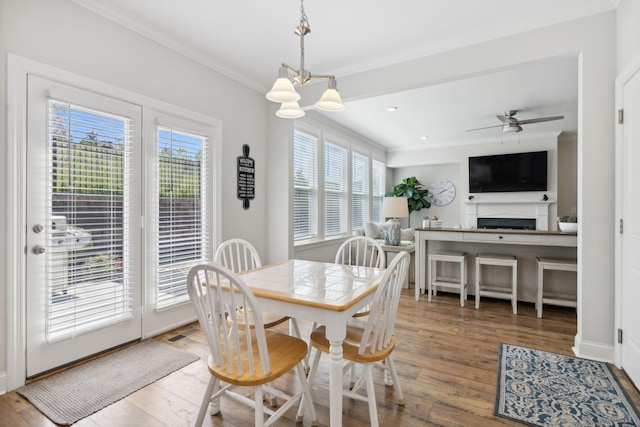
{"x":548,"y":389}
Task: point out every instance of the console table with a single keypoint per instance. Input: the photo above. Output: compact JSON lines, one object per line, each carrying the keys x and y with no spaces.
{"x":525,"y":244}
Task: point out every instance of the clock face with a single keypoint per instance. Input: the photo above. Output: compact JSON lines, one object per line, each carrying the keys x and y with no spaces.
{"x":441,"y":192}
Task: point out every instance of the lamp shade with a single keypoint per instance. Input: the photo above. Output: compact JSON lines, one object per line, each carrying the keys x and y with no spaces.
{"x":283,"y":91}
{"x":330,"y":99}
{"x":290,"y":110}
{"x":395,"y":207}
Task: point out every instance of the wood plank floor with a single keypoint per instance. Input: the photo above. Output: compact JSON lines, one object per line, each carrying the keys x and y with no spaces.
{"x":446,"y":358}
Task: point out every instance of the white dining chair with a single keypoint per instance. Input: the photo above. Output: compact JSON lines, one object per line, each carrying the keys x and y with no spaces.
{"x":248,"y":356}
{"x":362,"y":251}
{"x":239,"y":255}
{"x":371,"y":342}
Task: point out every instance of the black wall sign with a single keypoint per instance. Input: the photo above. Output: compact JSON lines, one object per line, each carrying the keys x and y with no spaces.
{"x":246,"y":177}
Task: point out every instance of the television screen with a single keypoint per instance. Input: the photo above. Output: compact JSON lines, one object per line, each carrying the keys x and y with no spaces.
{"x":508,"y":172}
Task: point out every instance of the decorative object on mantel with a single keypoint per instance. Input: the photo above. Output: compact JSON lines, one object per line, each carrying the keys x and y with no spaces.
{"x":415,"y":193}
{"x":246,"y":177}
{"x":431,"y":223}
{"x":568,"y":224}
{"x":283,"y":90}
{"x":394,"y":208}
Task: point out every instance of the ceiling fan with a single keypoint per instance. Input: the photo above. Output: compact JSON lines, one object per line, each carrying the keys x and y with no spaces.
{"x":511,"y":124}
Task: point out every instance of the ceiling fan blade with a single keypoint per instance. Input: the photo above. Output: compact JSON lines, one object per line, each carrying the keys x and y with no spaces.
{"x":488,"y":127}
{"x":505,"y":120}
{"x":540,"y":120}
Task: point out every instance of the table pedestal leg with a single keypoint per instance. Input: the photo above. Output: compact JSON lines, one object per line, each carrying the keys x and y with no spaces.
{"x":335,"y":383}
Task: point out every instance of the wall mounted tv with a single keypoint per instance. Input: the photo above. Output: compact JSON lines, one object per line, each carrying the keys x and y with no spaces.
{"x":508,"y":172}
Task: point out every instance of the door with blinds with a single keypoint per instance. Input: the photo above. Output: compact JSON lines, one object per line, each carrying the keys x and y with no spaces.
{"x":83,"y":256}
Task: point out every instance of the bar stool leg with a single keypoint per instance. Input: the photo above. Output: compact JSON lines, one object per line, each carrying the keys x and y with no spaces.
{"x":477,"y":284}
{"x":514,"y":292}
{"x":430,"y":278}
{"x":540,"y":293}
{"x":462,"y":281}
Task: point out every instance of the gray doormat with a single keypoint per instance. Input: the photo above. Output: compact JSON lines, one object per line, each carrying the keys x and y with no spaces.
{"x":79,"y":392}
{"x":540,"y":388}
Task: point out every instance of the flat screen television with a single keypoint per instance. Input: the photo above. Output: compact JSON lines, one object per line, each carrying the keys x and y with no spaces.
{"x":508,"y":172}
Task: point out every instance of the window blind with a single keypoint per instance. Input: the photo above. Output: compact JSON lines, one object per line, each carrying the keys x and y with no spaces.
{"x":335,"y":189}
{"x":359,"y":190}
{"x":180,"y":214}
{"x":377,"y":189}
{"x":88,"y":280}
{"x":305,"y":183}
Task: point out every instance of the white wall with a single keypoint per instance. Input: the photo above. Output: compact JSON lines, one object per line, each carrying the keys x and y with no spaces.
{"x":63,"y":35}
{"x":628,"y":31}
{"x":593,"y":41}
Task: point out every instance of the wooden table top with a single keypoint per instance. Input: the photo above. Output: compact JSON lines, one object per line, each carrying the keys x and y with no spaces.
{"x":329,"y":286}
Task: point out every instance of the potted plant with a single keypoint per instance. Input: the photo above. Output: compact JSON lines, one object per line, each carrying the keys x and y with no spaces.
{"x":414,"y":191}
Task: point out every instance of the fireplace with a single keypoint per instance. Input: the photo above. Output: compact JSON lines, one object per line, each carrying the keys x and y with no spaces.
{"x":507,"y":223}
{"x":509,"y":213}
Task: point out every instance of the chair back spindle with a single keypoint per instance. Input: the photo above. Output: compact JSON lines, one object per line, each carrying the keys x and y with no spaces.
{"x":361,"y":251}
{"x":237,"y":255}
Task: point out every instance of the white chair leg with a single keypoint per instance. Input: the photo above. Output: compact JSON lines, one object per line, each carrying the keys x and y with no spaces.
{"x":306,"y":399}
{"x":313,"y":327}
{"x":314,"y":367}
{"x":391,"y":366}
{"x":295,"y":331}
{"x":273,"y":401}
{"x":352,"y":368}
{"x":259,"y":410}
{"x":213,"y":382}
{"x":371,"y":395}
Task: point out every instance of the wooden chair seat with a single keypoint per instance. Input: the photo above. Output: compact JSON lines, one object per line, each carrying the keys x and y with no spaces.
{"x":351,"y":345}
{"x":285,"y":352}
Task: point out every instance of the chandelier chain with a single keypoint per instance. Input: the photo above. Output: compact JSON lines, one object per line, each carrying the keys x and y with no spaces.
{"x":304,"y":22}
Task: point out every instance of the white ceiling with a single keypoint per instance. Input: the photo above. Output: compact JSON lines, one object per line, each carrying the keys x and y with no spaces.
{"x":248,"y":39}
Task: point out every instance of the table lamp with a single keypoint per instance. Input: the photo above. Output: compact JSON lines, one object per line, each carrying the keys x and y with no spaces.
{"x":394,"y":208}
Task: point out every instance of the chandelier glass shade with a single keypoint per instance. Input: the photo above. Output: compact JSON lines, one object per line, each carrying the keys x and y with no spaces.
{"x":283,"y":90}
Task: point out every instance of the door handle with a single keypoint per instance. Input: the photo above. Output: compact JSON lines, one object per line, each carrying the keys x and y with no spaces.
{"x":38,"y":250}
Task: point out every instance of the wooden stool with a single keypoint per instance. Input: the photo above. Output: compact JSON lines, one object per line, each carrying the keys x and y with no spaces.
{"x":459,"y":283}
{"x":490,"y":290}
{"x":564,"y":300}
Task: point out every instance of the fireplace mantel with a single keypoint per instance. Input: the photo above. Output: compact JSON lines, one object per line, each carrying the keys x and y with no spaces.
{"x":538,"y":209}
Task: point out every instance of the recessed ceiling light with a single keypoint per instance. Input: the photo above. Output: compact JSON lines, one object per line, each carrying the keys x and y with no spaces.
{"x":424,"y":138}
{"x":391,"y":108}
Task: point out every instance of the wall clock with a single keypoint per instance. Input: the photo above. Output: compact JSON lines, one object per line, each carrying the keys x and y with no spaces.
{"x":441,"y":192}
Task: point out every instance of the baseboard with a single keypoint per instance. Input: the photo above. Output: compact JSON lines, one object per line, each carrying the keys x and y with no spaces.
{"x":593,"y":350}
{"x":3,"y":382}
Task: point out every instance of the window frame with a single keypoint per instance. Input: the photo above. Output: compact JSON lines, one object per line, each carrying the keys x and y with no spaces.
{"x":352,"y":145}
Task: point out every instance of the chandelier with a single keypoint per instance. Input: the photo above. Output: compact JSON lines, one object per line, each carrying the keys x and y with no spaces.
{"x":284,"y":92}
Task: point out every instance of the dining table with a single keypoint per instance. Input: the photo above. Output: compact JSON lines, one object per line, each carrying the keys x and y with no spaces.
{"x":326,"y":293}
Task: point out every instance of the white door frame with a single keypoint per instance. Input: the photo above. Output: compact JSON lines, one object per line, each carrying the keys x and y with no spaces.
{"x":623,"y":77}
{"x":15,"y":165}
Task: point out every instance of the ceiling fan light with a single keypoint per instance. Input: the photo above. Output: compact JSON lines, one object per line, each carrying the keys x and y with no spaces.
{"x":510,"y":128}
{"x":330,"y":100}
{"x":290,"y":110}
